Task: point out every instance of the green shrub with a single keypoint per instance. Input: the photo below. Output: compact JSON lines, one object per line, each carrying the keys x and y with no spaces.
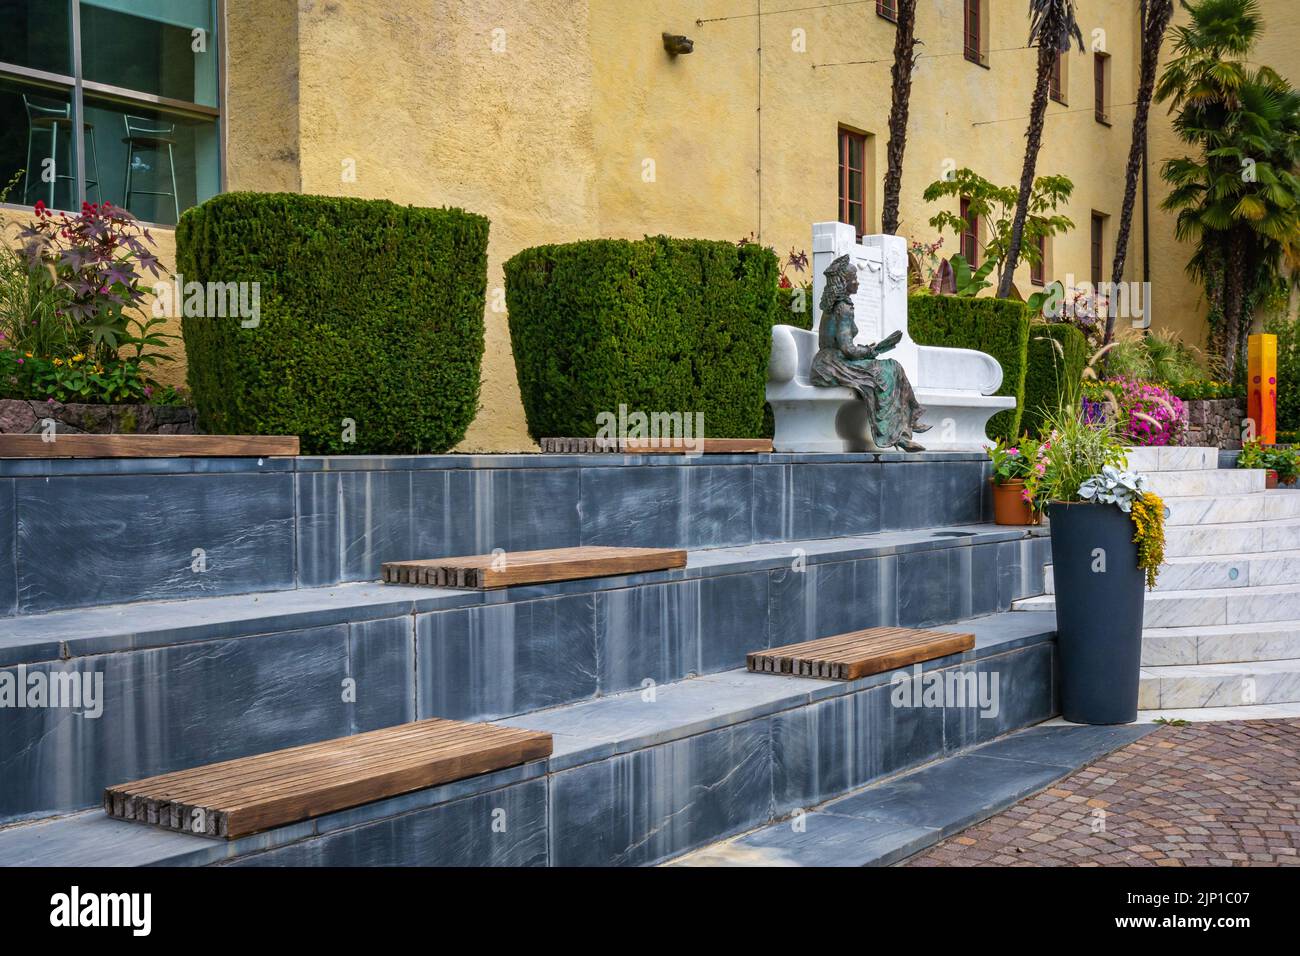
{"x":369,"y":311}
{"x":1288,"y":371}
{"x":1052,"y":375}
{"x":658,"y":325}
{"x":999,"y":327}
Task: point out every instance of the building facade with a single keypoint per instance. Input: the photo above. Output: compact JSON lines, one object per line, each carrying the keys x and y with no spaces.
{"x":568,"y":119}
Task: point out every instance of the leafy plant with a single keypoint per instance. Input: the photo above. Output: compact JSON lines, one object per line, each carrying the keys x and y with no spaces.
{"x":994,"y":206}
{"x":94,"y":260}
{"x":1284,"y":461}
{"x":1073,"y":451}
{"x":1009,"y":462}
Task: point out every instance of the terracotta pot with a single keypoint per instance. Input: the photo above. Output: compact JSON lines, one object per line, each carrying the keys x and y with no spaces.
{"x":1009,"y":507}
{"x":1270,"y":481}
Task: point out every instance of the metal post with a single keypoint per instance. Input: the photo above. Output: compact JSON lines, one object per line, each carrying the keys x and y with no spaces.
{"x":78,"y":111}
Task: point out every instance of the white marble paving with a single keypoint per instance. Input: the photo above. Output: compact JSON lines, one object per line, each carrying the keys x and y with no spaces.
{"x":1221,"y":481}
{"x":1220,"y":685}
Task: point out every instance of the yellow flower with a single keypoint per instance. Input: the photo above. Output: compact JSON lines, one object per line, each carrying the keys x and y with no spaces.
{"x":78,"y":357}
{"x":58,"y":362}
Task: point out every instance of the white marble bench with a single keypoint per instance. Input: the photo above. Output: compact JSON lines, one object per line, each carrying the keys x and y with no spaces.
{"x":954,"y":385}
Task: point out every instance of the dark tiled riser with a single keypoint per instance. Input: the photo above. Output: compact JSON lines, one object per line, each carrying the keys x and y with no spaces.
{"x":632,"y":808}
{"x":81,"y":533}
{"x":182,"y":705}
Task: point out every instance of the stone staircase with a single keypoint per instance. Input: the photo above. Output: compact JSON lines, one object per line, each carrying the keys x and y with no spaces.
{"x":1222,"y":628}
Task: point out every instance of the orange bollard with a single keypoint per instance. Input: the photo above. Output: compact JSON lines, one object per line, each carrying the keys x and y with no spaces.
{"x":1261,"y":391}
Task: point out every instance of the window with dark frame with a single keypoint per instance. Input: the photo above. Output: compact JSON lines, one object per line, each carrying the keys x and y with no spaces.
{"x":853,"y":179}
{"x":139,"y":81}
{"x":1100,"y":64}
{"x":970,"y":247}
{"x":1056,"y":87}
{"x":1038,"y":270}
{"x":1098,"y":240}
{"x":974,"y":38}
{"x":888,"y":9}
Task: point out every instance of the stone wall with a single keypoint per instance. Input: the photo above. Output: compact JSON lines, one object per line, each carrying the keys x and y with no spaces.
{"x":1215,"y":422}
{"x":18,"y":416}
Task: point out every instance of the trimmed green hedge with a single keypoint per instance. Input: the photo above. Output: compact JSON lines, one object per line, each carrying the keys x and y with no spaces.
{"x":1049,"y":369}
{"x":369,"y":311}
{"x":999,"y":327}
{"x":658,"y":325}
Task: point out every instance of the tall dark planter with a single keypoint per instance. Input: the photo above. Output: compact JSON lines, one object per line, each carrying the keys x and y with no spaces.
{"x":1098,"y":613}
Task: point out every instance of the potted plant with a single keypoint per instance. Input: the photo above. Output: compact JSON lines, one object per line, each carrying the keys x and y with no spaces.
{"x":1282,"y":464}
{"x":1012,"y":503}
{"x":1107,"y":542}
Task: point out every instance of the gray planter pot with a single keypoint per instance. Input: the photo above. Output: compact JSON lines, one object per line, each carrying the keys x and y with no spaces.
{"x":1099,"y":598}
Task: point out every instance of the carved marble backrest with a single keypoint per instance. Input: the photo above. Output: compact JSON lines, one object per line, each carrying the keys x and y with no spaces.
{"x":880,"y":304}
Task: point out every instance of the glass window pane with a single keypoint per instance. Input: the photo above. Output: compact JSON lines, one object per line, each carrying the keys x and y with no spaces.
{"x":37,"y":145}
{"x":164,"y":47}
{"x":37,"y":34}
{"x":855,"y":186}
{"x":151,"y":163}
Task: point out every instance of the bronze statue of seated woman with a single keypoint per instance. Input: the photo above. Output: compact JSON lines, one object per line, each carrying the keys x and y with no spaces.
{"x":891,"y":411}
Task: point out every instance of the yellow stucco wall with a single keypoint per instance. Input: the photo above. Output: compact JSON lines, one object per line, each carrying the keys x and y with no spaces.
{"x":1179,"y":301}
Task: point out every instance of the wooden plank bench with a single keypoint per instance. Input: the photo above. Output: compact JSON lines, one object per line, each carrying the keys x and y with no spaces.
{"x":506,"y":568}
{"x":65,"y":445}
{"x":239,"y":797}
{"x":646,"y":446}
{"x":859,"y":653}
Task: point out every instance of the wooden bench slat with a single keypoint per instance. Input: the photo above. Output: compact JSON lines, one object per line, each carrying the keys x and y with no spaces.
{"x":66,"y":445}
{"x":486,"y":571}
{"x":238,"y":797}
{"x":859,"y":653}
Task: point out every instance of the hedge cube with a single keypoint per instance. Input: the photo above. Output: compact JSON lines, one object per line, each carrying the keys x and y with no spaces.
{"x":370,"y":338}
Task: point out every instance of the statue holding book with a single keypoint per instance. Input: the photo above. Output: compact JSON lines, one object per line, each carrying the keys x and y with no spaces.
{"x":891,"y":411}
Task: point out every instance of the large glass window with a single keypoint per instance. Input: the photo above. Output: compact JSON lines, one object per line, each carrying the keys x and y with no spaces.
{"x":141,"y":87}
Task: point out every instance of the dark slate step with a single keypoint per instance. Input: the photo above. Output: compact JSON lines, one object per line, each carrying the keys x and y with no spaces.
{"x":890,"y":821}
{"x":634,"y":778}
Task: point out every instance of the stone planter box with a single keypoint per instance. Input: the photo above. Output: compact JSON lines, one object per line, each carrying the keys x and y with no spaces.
{"x":1215,"y":422}
{"x":22,"y":417}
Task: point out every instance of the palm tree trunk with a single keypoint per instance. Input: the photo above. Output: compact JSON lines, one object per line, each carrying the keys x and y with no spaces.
{"x":904,"y":61}
{"x":1037,"y":114}
{"x":1234,"y":300}
{"x":1156,"y":22}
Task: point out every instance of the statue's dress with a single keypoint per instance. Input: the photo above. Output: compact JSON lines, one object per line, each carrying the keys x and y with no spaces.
{"x":881,"y":383}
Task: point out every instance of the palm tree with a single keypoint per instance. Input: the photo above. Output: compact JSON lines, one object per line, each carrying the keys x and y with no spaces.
{"x":1238,"y":199}
{"x":904,"y":62}
{"x":1051,"y":25}
{"x":1156,"y":15}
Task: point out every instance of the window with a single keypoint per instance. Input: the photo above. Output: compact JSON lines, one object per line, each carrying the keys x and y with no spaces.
{"x":853,"y":179}
{"x":1060,"y":79}
{"x":1038,"y":270}
{"x":975,"y":40}
{"x":970,"y":246}
{"x":888,"y":9}
{"x":1098,"y":246}
{"x":1101,"y":86}
{"x":111,"y":100}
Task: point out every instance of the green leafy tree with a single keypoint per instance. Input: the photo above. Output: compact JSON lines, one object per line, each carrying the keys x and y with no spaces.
{"x":1237,"y":198}
{"x":995,"y":206}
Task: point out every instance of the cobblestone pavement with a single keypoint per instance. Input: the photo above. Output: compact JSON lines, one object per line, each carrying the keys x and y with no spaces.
{"x":1208,"y":794}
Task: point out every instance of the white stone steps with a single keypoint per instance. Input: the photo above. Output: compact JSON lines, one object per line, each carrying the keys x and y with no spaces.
{"x":1219,"y":685}
{"x":1173,"y":458}
{"x":1195,"y":572}
{"x":1221,"y":643}
{"x":1220,"y":481}
{"x":1232,"y":538}
{"x":1232,"y":509}
{"x":1192,"y":608}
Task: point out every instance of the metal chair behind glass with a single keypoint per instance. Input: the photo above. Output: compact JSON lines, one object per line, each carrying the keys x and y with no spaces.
{"x":149,"y":135}
{"x":48,"y":117}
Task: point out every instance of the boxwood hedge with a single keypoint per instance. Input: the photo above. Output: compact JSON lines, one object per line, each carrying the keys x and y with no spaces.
{"x":658,"y":325}
{"x":999,"y":327}
{"x":370,"y":312}
{"x":1049,"y":369}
